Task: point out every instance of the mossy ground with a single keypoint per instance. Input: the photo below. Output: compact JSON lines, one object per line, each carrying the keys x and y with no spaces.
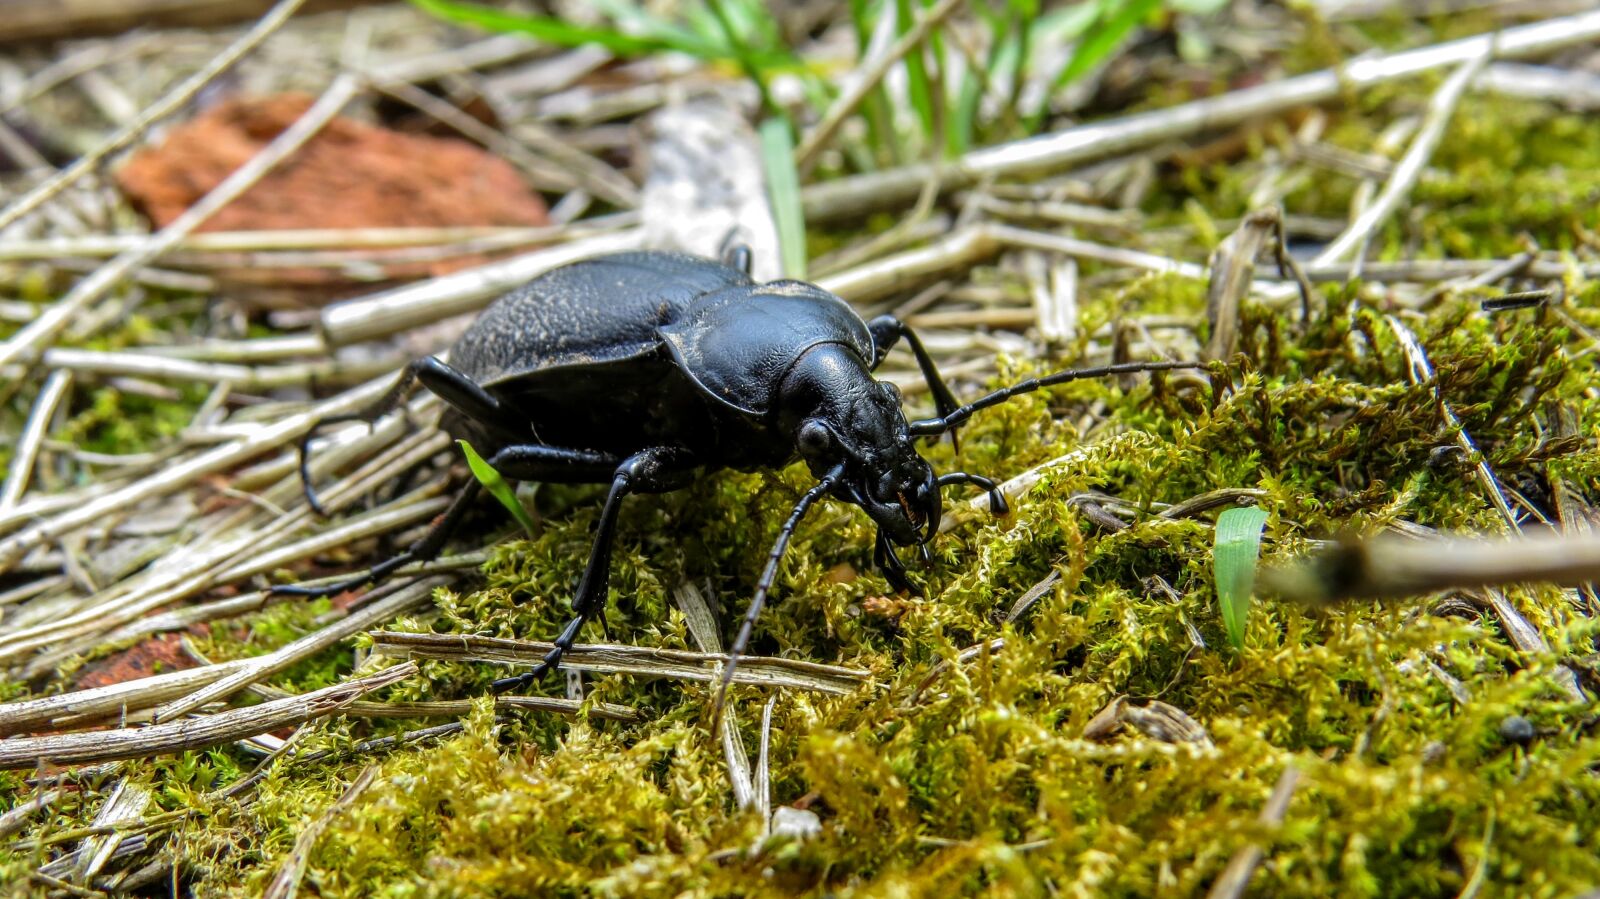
{"x":983,"y":780}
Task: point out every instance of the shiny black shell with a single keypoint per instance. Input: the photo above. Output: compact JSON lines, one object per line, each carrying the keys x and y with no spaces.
{"x":650,"y":348}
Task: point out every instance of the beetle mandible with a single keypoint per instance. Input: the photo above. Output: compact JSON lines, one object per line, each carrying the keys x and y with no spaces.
{"x":643,"y":369}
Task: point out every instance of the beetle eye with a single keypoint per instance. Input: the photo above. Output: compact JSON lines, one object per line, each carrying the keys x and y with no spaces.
{"x":814,"y":438}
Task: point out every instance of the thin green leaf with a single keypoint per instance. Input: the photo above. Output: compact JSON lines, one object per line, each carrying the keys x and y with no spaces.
{"x":546,"y":28}
{"x":742,"y":52}
{"x":917,"y":82}
{"x":783,"y":189}
{"x":1003,"y":54}
{"x":1118,"y":19}
{"x":880,"y":127}
{"x":495,"y":484}
{"x":1233,"y":560}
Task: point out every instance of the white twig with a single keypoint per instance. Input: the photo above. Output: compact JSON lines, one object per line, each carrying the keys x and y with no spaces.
{"x":25,"y":344}
{"x":263,"y":667}
{"x":192,"y":733}
{"x":868,"y":78}
{"x":853,"y":197}
{"x":162,"y":108}
{"x":27,"y":448}
{"x":1406,"y":172}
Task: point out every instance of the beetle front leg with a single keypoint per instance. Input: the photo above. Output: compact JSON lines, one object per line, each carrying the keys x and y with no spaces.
{"x":655,"y":470}
{"x":887,"y":330}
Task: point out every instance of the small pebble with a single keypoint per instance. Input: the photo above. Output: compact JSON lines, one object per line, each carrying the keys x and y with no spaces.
{"x":794,"y":823}
{"x":1516,"y":729}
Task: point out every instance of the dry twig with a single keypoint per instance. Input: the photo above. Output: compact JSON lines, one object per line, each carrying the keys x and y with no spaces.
{"x":192,"y":733}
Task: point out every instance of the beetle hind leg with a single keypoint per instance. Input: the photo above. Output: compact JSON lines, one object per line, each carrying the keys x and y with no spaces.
{"x":427,"y":547}
{"x":456,"y":389}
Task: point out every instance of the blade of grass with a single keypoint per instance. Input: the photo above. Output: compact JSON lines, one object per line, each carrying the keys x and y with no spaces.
{"x":1117,"y":19}
{"x":918,"y":84}
{"x":1233,"y":559}
{"x":879,"y":117}
{"x":783,"y":189}
{"x":743,"y":53}
{"x":495,"y":484}
{"x":565,"y":34}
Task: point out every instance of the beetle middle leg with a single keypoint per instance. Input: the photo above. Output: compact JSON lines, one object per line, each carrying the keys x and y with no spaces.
{"x":519,"y":462}
{"x":887,"y":330}
{"x":655,"y":470}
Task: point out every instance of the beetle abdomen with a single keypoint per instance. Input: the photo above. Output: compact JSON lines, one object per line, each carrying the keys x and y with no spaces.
{"x":595,"y":311}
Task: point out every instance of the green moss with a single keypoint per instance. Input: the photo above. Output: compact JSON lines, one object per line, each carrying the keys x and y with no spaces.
{"x":969,"y":776}
{"x":982,"y":780}
{"x":1507,"y":171}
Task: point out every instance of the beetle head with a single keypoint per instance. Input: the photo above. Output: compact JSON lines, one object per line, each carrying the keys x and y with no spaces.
{"x":840,"y":415}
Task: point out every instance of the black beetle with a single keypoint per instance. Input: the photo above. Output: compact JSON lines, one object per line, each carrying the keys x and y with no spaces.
{"x":643,"y":369}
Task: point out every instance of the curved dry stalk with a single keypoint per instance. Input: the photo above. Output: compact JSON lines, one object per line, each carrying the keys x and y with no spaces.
{"x":192,"y":733}
{"x":609,"y":658}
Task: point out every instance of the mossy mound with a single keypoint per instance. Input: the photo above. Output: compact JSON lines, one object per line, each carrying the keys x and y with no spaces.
{"x":1430,"y":754}
{"x":1432,"y":758}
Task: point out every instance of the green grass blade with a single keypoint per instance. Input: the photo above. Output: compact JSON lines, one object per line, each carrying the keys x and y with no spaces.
{"x":783,"y":189}
{"x":495,"y":484}
{"x":544,"y":28}
{"x":1233,"y":559}
{"x":917,"y":82}
{"x":1117,"y":19}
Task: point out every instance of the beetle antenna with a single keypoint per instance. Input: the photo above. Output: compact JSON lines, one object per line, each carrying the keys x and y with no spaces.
{"x":929,"y":427}
{"x":768,"y":575}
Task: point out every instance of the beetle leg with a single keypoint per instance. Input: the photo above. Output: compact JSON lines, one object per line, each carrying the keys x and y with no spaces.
{"x":455,"y":388}
{"x":997,"y":500}
{"x":764,"y":585}
{"x":737,"y":255}
{"x":887,"y":330}
{"x":894,"y":570}
{"x":654,"y":470}
{"x":426,"y":547}
{"x":553,"y":464}
{"x":461,"y":392}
